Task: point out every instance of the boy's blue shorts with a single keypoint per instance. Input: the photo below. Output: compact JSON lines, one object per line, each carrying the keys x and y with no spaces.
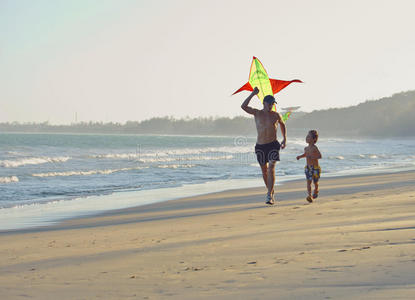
{"x":312,"y":173}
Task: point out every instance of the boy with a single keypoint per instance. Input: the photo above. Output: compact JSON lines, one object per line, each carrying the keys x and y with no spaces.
{"x":312,"y":169}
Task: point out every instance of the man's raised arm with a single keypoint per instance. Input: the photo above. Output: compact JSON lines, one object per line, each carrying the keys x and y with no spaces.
{"x":245,"y":106}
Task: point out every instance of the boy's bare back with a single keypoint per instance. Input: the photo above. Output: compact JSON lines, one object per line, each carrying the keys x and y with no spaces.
{"x":312,"y":154}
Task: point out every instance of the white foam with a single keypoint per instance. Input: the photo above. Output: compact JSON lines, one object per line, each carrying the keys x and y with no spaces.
{"x":82,"y":173}
{"x":9,"y":179}
{"x":224,"y":149}
{"x":176,"y":166}
{"x":15,"y":153}
{"x":185,"y":158}
{"x":32,"y":161}
{"x":377,"y":169}
{"x":126,"y":155}
{"x":176,"y":152}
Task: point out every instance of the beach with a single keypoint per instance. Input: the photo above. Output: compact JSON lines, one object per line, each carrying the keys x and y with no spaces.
{"x":356,"y":241}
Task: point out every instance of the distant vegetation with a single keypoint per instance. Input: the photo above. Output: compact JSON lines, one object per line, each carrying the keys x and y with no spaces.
{"x":164,"y":125}
{"x":389,"y":117}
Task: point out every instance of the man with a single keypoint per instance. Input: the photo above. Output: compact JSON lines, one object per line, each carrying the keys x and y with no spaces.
{"x":267,"y":147}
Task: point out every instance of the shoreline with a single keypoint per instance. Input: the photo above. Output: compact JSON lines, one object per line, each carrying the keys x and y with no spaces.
{"x":170,"y":203}
{"x":55,"y":222}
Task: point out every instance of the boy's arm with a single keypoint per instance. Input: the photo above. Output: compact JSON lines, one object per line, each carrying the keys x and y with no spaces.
{"x":303,"y":155}
{"x":245,"y":106}
{"x":283,"y":131}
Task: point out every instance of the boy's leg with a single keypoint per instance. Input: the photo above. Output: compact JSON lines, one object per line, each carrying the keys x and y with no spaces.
{"x":309,"y":199}
{"x":309,"y":187}
{"x":315,"y":194}
{"x":316,"y":177}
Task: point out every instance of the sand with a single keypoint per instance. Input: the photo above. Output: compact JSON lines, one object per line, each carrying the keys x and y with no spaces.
{"x":357,"y":241}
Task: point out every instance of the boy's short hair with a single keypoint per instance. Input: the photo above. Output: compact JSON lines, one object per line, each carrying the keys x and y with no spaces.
{"x":314,"y":135}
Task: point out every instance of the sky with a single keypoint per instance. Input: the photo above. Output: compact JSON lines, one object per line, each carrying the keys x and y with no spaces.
{"x":114,"y":61}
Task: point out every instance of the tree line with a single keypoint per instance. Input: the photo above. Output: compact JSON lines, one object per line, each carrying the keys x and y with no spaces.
{"x":390,"y":116}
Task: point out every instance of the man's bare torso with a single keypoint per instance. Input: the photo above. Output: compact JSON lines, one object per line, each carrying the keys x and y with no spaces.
{"x":266,"y":125}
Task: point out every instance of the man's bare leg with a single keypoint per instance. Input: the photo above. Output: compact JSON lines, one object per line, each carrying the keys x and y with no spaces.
{"x":264,"y":169}
{"x":271,"y":177}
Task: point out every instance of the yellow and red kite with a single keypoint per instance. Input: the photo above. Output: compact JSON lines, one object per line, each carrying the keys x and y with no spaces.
{"x":286,"y":116}
{"x":258,"y":77}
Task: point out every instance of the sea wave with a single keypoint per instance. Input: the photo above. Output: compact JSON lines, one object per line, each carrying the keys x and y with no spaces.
{"x":126,"y":155}
{"x":83,"y":173}
{"x":223,"y":149}
{"x":184,"y":158}
{"x":15,"y":153}
{"x":176,"y":152}
{"x":163,"y":157}
{"x":176,"y":166}
{"x":32,"y":161}
{"x":9,"y":179}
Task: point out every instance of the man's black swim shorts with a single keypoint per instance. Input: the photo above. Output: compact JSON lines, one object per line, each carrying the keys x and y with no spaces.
{"x":267,"y":152}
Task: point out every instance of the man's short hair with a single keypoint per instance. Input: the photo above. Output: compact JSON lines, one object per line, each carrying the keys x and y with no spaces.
{"x":270,"y":99}
{"x":314,"y":135}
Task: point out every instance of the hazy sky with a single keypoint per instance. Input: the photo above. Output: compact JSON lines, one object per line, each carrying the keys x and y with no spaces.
{"x":132,"y":60}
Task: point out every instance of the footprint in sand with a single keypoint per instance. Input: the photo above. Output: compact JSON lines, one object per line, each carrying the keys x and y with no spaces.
{"x":281,"y":261}
{"x":359,"y":249}
{"x":229,"y":281}
{"x":194,"y":268}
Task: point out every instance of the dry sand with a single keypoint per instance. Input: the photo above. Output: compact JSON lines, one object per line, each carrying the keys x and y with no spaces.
{"x":357,"y":241}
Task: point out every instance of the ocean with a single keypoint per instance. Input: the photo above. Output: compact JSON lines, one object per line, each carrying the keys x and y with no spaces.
{"x":45,"y":178}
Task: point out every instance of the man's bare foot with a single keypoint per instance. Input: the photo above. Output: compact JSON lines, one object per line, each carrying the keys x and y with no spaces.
{"x":309,"y":199}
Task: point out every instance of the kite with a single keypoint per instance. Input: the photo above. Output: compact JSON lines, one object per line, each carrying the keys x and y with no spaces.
{"x":291,"y":108}
{"x":286,"y":116}
{"x":258,"y":77}
{"x":288,"y":112}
